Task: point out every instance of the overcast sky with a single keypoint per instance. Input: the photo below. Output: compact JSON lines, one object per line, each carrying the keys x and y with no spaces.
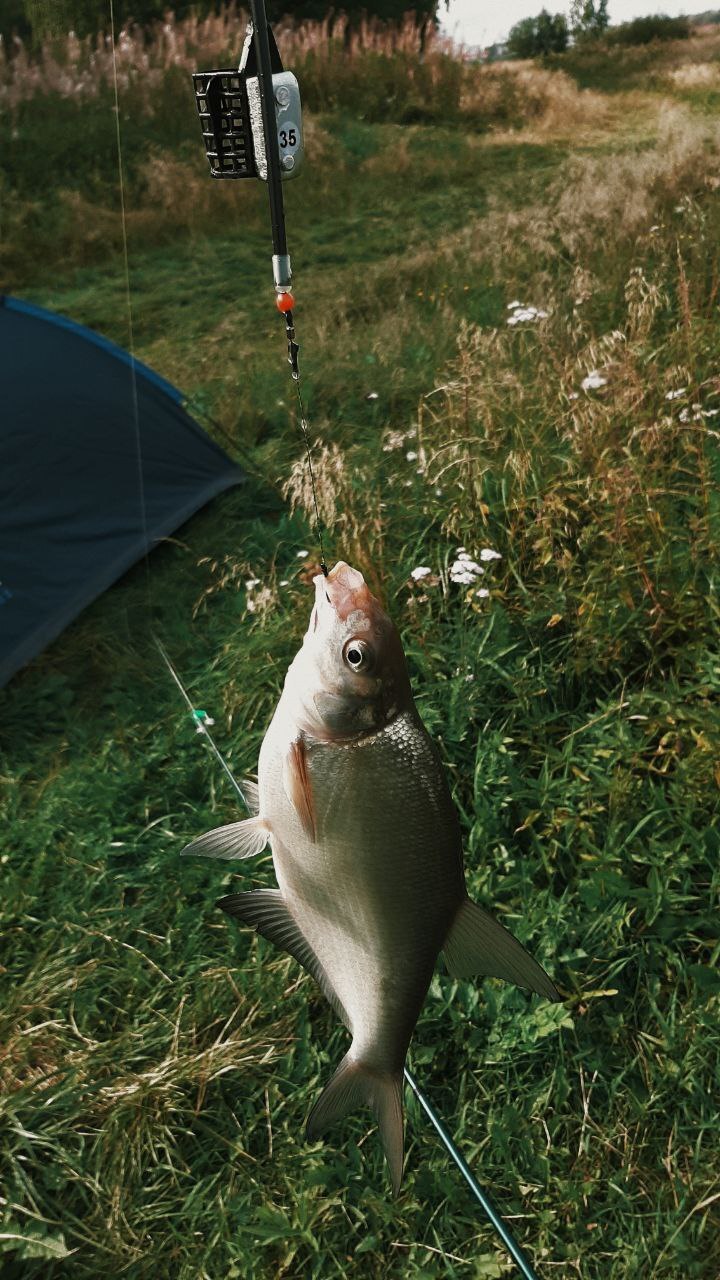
{"x":480,"y":22}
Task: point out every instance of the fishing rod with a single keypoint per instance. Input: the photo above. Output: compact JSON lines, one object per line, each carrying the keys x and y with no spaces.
{"x":251,"y":123}
{"x":251,"y":120}
{"x":202,"y":722}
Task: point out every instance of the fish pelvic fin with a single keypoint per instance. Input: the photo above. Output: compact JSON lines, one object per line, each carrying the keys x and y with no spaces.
{"x":266,"y":911}
{"x":355,"y":1085}
{"x":238,"y":840}
{"x":477,"y":944}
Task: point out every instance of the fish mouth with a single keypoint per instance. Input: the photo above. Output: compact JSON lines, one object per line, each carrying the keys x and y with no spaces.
{"x":344,"y":589}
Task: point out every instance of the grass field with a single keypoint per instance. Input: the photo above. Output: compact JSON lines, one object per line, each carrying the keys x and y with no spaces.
{"x":157,"y":1063}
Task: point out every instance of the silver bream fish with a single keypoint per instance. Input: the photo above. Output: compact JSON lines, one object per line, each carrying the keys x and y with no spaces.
{"x":367,"y":851}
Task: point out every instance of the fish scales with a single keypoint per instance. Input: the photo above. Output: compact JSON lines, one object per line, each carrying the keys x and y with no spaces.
{"x":387,"y":832}
{"x":367,"y":852}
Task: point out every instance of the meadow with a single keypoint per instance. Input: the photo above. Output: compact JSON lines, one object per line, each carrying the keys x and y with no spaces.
{"x":507,"y":302}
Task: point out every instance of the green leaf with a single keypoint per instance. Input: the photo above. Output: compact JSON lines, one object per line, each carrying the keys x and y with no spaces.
{"x":28,"y":1243}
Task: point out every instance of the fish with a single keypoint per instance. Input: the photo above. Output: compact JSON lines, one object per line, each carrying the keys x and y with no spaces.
{"x":353,"y":799}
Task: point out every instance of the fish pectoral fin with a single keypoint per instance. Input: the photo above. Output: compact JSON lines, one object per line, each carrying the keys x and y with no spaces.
{"x":355,"y":1085}
{"x":238,"y":840}
{"x":479,"y":944}
{"x":298,"y":787}
{"x":266,"y":911}
{"x":251,"y":795}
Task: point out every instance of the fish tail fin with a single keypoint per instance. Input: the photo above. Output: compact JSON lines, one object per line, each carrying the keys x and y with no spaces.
{"x":354,"y":1085}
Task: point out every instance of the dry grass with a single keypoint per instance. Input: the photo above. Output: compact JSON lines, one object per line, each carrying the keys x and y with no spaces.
{"x":83,"y":68}
{"x":374,"y":66}
{"x":695,"y":75}
{"x":525,"y":93}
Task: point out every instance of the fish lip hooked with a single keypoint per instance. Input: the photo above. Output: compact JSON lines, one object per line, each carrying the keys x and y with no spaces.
{"x":344,"y":589}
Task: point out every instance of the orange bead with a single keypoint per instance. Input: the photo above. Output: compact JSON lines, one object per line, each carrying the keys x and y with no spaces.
{"x":285,"y":302}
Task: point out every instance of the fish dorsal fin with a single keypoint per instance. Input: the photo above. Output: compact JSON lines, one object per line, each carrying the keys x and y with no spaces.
{"x":479,"y":944}
{"x":298,"y":786}
{"x":266,"y":911}
{"x":237,"y":840}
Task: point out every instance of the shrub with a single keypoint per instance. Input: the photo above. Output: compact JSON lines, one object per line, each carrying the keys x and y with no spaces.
{"x":653,"y":27}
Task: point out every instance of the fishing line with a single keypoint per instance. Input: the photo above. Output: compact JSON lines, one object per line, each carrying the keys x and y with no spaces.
{"x":304,"y":428}
{"x":201,"y":719}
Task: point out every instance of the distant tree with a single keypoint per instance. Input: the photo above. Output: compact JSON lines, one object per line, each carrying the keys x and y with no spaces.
{"x":552,"y":32}
{"x":653,"y":27}
{"x":534,"y":37}
{"x":521,"y":40}
{"x":589,"y":18}
{"x":38,"y":19}
{"x":386,"y":10}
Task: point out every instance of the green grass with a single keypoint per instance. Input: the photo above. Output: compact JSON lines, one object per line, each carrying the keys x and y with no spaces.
{"x":157,"y":1064}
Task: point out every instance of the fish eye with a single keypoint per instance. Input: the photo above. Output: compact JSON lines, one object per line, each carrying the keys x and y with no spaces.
{"x":357,"y":655}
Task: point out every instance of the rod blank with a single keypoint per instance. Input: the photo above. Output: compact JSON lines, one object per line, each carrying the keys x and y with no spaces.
{"x":508,"y":1239}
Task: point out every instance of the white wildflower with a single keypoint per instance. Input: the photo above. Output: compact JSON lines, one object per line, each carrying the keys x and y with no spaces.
{"x":464,"y":569}
{"x":488,"y":554}
{"x":464,"y":564}
{"x":675,"y":395}
{"x":526,"y":315}
{"x":655,"y":227}
{"x":421,"y":571}
{"x":593,"y":381}
{"x":252,"y":582}
{"x":284,"y":582}
{"x":372,"y":395}
{"x":482,"y":593}
{"x":512,"y":306}
{"x":411,"y":455}
{"x":301,"y":555}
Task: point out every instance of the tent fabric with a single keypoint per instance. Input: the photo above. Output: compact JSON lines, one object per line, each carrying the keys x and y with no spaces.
{"x":86,"y":435}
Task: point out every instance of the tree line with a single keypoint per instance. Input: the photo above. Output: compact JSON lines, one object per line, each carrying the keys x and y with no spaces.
{"x":35,"y":20}
{"x":589,"y":20}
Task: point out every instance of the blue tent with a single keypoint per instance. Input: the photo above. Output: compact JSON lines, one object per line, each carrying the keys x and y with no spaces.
{"x":80,"y":423}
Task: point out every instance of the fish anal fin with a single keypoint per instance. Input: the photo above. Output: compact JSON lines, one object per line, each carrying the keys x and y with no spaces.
{"x":478,"y":944}
{"x":298,"y":786}
{"x":265,"y":910}
{"x":355,"y":1085}
{"x":237,"y":840}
